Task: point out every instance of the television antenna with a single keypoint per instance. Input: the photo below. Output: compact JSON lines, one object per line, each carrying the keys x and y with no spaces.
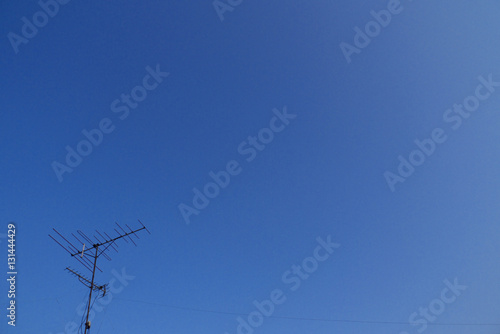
{"x":87,"y":256}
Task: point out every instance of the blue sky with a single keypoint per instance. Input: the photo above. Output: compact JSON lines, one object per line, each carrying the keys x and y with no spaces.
{"x":320,"y":175}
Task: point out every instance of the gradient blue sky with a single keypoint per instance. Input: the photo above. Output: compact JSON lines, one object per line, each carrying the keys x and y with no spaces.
{"x":322,"y":175}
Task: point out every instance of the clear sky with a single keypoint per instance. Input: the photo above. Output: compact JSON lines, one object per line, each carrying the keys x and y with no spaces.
{"x":307,"y":114}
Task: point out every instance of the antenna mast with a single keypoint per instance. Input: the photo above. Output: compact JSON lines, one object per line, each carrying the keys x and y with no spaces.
{"x":88,"y":256}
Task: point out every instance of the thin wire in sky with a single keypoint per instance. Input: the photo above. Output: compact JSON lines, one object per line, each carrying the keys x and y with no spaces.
{"x":308,"y":319}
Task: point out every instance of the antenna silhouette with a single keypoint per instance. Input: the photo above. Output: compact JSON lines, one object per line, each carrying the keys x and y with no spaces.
{"x":87,"y":253}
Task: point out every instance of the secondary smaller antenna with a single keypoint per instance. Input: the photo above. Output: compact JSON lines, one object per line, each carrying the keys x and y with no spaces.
{"x":85,"y":281}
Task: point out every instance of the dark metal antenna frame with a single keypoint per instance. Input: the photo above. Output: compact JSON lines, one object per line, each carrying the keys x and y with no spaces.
{"x":88,"y":256}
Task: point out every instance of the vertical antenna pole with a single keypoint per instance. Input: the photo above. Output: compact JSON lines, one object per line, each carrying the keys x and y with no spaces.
{"x":87,"y":324}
